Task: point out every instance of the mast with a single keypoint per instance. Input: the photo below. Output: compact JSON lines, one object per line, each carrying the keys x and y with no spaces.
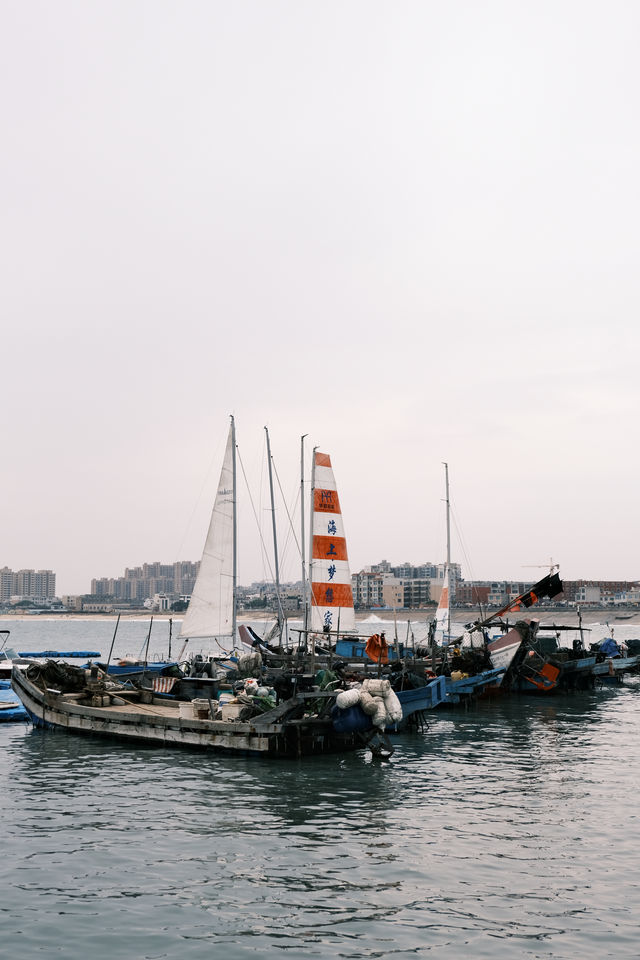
{"x":234,"y":579}
{"x":275,"y":538}
{"x":305,"y":617}
{"x":311,"y":499}
{"x":447,"y":573}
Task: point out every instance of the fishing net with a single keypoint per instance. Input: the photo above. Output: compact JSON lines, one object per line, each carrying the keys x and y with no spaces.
{"x":61,"y":676}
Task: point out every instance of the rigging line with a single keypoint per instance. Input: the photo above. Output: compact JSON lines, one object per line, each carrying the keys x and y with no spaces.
{"x":214,"y":460}
{"x":462,"y":543}
{"x":264,"y":549}
{"x":267,"y":573}
{"x":465,"y":555}
{"x":292,"y":531}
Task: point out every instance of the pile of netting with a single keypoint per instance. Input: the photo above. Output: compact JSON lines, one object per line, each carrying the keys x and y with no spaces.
{"x":64,"y":677}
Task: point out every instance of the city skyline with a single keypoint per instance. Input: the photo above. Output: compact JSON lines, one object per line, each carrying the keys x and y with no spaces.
{"x":177,"y":579}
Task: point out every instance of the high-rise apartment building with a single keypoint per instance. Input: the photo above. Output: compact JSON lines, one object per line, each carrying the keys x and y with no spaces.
{"x":140,"y":583}
{"x":27,"y":583}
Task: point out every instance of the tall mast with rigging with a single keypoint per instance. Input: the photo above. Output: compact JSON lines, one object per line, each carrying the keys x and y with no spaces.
{"x":234,"y":577}
{"x":275,"y":537}
{"x":305,"y":606}
{"x":311,"y":511}
{"x":447,"y":573}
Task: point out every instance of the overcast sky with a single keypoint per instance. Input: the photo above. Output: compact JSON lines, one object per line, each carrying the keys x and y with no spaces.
{"x":409,"y":230}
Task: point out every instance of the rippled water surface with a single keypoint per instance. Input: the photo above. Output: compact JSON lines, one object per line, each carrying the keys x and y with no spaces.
{"x":509,"y":830}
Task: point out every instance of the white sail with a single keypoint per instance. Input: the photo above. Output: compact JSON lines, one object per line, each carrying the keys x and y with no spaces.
{"x":443,"y":614}
{"x":211,"y":610}
{"x":329,"y":575}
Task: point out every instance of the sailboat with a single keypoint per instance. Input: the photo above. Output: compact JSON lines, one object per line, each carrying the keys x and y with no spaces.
{"x":75,"y":700}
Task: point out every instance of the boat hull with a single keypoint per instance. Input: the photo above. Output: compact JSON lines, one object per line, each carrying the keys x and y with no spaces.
{"x":459,"y":691}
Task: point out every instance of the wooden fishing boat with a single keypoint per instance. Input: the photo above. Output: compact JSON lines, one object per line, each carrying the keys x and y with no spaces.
{"x":88,"y":703}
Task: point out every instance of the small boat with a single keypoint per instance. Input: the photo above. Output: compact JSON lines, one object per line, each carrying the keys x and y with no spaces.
{"x":59,"y":654}
{"x":614,"y":661}
{"x":613,"y":669}
{"x":11,"y":710}
{"x":460,"y":689}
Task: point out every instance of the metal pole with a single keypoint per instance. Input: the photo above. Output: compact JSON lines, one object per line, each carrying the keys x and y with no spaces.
{"x":275,"y":538}
{"x":448,"y":569}
{"x":311,"y":511}
{"x":234,"y":614}
{"x":146,"y":650}
{"x":112,"y":643}
{"x":305,"y":608}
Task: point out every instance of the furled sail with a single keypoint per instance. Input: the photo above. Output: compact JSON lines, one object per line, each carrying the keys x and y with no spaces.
{"x":212,"y":606}
{"x":329,"y":575}
{"x":443,"y":617}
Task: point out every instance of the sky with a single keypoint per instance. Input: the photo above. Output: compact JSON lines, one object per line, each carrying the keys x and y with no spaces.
{"x":408,"y":230}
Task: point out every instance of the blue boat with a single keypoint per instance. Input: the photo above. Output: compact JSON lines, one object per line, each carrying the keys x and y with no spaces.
{"x":11,"y":709}
{"x":457,"y":691}
{"x":59,"y":654}
{"x":612,"y":670}
{"x":422,"y":698}
{"x":453,"y":691}
{"x":413,"y":701}
{"x":353,"y":648}
{"x":135,"y":669}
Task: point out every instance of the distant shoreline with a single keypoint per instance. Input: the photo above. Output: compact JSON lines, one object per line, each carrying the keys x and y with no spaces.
{"x":559,"y":616}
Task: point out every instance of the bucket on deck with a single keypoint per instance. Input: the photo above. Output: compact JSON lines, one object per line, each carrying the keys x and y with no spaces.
{"x":201,"y":709}
{"x":186,"y":710}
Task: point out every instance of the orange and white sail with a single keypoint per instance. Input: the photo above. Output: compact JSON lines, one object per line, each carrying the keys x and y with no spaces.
{"x":329,"y":574}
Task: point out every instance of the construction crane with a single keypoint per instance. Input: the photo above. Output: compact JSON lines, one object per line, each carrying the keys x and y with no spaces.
{"x":551,"y":565}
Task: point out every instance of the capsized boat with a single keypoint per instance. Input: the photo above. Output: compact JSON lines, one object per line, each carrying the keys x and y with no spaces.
{"x":542,"y":666}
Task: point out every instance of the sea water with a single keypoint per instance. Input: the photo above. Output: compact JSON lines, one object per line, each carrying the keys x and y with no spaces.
{"x":507,"y":830}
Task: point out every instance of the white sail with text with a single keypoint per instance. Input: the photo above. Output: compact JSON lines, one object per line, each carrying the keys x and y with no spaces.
{"x":211,"y":609}
{"x":329,"y":574}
